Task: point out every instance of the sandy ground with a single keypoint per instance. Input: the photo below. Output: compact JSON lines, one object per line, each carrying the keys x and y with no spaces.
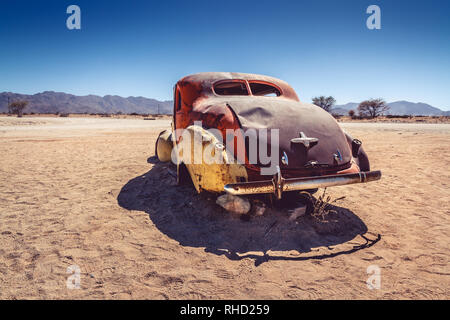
{"x":88,"y":192}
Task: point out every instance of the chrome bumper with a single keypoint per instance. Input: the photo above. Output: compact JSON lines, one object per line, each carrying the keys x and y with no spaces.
{"x":278,"y":184}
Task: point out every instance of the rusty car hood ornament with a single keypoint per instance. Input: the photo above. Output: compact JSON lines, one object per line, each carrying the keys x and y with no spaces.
{"x":306,"y":141}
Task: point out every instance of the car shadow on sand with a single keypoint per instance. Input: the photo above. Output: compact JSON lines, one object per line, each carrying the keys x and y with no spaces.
{"x":195,"y":220}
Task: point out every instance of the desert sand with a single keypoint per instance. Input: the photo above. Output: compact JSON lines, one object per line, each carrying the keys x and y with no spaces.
{"x":89,"y":192}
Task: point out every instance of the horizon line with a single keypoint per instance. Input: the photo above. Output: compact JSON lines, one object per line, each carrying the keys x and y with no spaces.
{"x":171,"y":100}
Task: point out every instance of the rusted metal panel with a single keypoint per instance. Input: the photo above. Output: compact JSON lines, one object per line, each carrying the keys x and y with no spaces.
{"x":331,"y":152}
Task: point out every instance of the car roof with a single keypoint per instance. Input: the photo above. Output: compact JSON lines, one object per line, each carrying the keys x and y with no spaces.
{"x":207,"y":79}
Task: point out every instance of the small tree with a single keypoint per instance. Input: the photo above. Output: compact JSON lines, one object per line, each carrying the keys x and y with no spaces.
{"x":325,"y":103}
{"x":351,"y":113}
{"x":17,"y":107}
{"x":372,"y":108}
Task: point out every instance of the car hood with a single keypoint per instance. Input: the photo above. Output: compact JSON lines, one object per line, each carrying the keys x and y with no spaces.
{"x":290,"y":118}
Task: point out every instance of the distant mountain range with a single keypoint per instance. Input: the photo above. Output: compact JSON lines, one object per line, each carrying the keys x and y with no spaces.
{"x":397,"y":108}
{"x":52,"y":102}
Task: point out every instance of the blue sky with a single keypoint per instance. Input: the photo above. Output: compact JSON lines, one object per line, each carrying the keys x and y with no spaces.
{"x":141,"y":48}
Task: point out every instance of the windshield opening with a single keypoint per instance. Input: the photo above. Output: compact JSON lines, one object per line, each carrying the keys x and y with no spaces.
{"x":231,"y":88}
{"x":263,"y":89}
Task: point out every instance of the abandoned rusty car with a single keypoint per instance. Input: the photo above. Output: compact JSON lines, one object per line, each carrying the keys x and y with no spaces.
{"x":267,"y":140}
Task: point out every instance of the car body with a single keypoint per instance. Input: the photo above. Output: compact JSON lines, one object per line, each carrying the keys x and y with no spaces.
{"x":311,"y":148}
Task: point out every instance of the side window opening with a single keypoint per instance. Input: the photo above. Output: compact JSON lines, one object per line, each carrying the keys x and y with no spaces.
{"x":263,"y":89}
{"x":231,"y":88}
{"x":178,"y":101}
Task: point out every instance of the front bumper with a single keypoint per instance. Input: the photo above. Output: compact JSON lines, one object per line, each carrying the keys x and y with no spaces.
{"x":278,"y":184}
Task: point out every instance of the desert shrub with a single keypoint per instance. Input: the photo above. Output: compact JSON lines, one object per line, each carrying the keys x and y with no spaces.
{"x":392,"y":116}
{"x":325,"y":103}
{"x":64,"y":115}
{"x":351,"y":113}
{"x":372,"y":108}
{"x":322,"y":206}
{"x":336,"y":115}
{"x":17,"y":107}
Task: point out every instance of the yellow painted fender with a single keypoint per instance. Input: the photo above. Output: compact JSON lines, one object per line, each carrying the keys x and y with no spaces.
{"x":213,"y":167}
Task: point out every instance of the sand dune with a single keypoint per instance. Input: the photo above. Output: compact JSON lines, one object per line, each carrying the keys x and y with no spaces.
{"x":89,"y":192}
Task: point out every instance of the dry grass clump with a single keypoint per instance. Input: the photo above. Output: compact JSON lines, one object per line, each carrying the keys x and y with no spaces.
{"x":323,"y":205}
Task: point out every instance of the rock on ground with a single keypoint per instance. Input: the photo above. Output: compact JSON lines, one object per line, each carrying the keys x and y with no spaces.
{"x":234,"y":204}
